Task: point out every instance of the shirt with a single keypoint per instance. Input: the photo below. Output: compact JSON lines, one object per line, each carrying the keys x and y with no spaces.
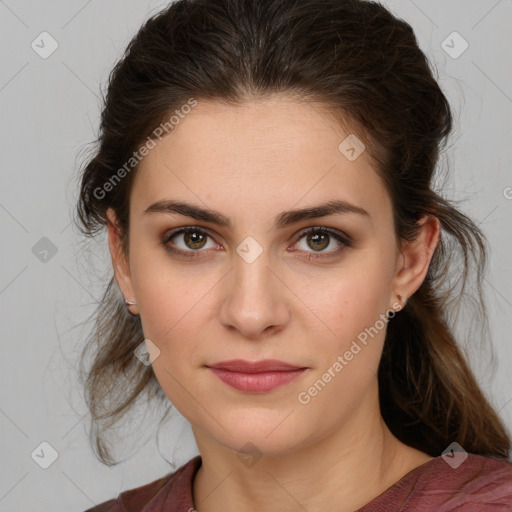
{"x":479,"y":484}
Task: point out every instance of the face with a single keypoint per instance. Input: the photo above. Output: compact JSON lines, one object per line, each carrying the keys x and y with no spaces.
{"x":258,"y":285}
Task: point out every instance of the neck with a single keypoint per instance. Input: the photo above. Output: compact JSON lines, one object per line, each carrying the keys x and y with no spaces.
{"x":349,"y":467}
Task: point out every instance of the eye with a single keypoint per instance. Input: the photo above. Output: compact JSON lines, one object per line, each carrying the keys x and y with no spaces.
{"x":319,"y":238}
{"x":193,"y":239}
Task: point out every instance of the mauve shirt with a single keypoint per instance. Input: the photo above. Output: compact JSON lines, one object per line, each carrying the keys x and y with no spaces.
{"x":479,"y":484}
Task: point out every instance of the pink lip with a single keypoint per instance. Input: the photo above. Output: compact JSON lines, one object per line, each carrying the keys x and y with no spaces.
{"x":265,"y":365}
{"x":256,"y":377}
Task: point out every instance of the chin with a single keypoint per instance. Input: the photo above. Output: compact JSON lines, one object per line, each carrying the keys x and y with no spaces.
{"x":260,"y":435}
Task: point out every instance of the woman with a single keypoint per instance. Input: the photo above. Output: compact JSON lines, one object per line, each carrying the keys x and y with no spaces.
{"x":265,"y":173}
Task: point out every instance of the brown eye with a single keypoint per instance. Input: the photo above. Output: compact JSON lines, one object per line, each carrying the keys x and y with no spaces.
{"x":186,"y":242}
{"x":194,"y":239}
{"x":318,"y":239}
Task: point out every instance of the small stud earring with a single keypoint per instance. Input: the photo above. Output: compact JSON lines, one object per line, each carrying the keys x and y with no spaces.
{"x":130,"y":303}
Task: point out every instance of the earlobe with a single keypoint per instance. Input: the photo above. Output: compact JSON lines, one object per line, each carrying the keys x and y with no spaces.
{"x":417,"y":255}
{"x":120,"y":264}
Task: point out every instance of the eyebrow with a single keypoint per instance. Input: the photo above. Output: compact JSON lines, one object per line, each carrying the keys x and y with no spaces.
{"x":282,"y":220}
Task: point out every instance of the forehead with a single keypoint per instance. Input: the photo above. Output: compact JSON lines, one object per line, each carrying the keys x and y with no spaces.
{"x":266,"y":154}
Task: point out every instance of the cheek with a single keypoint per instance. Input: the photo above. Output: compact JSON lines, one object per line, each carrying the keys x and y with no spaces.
{"x":172,"y":317}
{"x":347,"y":355}
{"x":175,"y":303}
{"x":350,"y":303}
{"x":172,"y":313}
{"x":353,"y":313}
{"x":168,"y":293}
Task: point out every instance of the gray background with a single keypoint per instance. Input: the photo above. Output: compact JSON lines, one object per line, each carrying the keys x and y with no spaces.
{"x":50,"y":111}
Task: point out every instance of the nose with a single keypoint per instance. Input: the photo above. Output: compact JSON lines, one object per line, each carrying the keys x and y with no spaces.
{"x":255,"y":299}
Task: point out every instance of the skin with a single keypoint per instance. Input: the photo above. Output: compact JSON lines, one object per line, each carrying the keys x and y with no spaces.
{"x":250,"y":163}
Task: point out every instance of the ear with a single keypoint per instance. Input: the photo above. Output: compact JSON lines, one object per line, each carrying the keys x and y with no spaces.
{"x":120,"y":263}
{"x":415,"y":257}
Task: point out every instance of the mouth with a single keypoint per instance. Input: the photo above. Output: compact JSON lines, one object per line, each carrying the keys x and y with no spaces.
{"x":256,"y":377}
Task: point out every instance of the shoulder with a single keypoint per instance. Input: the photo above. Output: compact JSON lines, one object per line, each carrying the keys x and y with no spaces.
{"x":478,"y":479}
{"x":173,"y":490}
{"x":436,"y":485}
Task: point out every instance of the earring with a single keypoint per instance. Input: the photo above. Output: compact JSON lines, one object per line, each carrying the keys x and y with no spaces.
{"x":129,"y":303}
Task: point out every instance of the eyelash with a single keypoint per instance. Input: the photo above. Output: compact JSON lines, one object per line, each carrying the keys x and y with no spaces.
{"x":343,"y":239}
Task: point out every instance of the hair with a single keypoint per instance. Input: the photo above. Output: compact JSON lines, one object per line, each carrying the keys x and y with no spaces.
{"x":365,"y":66}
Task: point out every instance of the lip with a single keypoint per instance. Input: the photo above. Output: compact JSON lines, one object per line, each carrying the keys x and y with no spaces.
{"x":265,"y":365}
{"x":256,"y":377}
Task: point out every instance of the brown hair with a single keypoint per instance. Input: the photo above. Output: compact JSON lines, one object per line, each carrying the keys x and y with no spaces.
{"x":365,"y":65}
